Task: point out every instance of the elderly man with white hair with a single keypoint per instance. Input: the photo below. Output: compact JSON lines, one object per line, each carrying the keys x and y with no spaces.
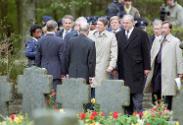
{"x":133,"y":61}
{"x":157,"y":29}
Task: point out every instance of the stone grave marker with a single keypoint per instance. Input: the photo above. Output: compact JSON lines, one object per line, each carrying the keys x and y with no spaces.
{"x":5,"y":94}
{"x":50,"y":117}
{"x":33,"y":85}
{"x":73,"y":93}
{"x":177,"y":107}
{"x":112,"y":95}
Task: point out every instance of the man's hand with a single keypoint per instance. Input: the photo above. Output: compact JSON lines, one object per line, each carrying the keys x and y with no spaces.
{"x":146,"y":72}
{"x":180,"y":76}
{"x":63,"y":77}
{"x":109,"y":69}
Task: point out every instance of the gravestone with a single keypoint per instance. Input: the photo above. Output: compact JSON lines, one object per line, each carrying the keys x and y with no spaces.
{"x":112,"y":95}
{"x":5,"y":95}
{"x":177,"y":107}
{"x":33,"y":85}
{"x":50,"y":117}
{"x":72,"y":94}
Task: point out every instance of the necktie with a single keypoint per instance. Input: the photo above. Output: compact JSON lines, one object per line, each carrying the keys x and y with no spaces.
{"x":127,"y":34}
{"x":160,"y":50}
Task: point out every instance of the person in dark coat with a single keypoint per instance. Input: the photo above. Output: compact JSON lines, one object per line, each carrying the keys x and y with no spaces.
{"x":50,"y":53}
{"x":133,"y":61}
{"x":115,"y":8}
{"x":31,"y":44}
{"x":80,"y":56}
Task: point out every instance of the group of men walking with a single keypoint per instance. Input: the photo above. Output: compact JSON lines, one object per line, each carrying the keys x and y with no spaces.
{"x":98,"y":54}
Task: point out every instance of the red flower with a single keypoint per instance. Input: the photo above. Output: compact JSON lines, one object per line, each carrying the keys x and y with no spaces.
{"x":115,"y":115}
{"x":140,"y":114}
{"x":82,"y":116}
{"x":12,"y":116}
{"x":92,"y":117}
{"x":102,"y":114}
{"x":94,"y":113}
{"x":148,"y":124}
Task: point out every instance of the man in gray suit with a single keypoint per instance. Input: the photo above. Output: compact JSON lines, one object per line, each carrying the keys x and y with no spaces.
{"x":50,"y":53}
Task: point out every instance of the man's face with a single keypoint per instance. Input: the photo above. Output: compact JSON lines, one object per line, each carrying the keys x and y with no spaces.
{"x":165,"y":29}
{"x":100,"y":26}
{"x":127,"y":2}
{"x":67,"y":24}
{"x":115,"y":24}
{"x":127,"y":23}
{"x":37,"y":34}
{"x":170,"y":2}
{"x":157,"y":29}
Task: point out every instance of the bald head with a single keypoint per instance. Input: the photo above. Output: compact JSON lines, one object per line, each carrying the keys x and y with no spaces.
{"x":51,"y":26}
{"x":84,"y":28}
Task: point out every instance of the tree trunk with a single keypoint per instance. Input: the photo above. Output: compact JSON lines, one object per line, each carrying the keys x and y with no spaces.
{"x":26,"y":17}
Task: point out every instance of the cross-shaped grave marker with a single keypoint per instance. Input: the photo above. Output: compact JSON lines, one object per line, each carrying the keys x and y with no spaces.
{"x":33,"y":85}
{"x":178,"y":107}
{"x":112,"y":95}
{"x":73,"y":93}
{"x":5,"y":94}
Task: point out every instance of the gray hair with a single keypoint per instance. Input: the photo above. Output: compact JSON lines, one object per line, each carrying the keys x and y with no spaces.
{"x":51,"y":25}
{"x":84,"y":28}
{"x":128,"y":16}
{"x":157,"y":22}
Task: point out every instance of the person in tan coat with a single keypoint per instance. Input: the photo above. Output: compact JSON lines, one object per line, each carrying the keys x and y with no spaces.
{"x":166,"y":65}
{"x":106,"y":51}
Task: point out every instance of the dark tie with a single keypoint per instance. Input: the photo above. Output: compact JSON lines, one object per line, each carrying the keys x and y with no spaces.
{"x":127,"y":34}
{"x":160,"y":50}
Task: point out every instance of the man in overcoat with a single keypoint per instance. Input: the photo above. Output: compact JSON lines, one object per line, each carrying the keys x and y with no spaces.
{"x":133,"y":61}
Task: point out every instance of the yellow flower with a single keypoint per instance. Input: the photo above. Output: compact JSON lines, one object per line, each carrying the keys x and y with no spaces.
{"x":177,"y":123}
{"x":61,"y":110}
{"x":93,"y":101}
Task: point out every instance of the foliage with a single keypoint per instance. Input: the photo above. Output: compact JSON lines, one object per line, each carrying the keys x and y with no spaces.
{"x":9,"y":51}
{"x":14,"y":119}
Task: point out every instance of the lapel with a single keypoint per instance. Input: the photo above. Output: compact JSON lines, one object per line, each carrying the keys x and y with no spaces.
{"x":131,"y":38}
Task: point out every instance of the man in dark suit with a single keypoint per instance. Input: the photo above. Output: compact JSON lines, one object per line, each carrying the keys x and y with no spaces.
{"x":50,"y":53}
{"x":133,"y":61}
{"x":67,"y":32}
{"x":80,"y":56}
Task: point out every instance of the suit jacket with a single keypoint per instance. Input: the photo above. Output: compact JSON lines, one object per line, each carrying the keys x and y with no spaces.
{"x":80,"y":57}
{"x":171,"y":64}
{"x":133,"y":58}
{"x":50,"y":54}
{"x":151,"y":40}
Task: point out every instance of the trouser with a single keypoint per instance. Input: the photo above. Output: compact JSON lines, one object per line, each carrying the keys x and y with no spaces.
{"x":168,"y":101}
{"x":135,"y":104}
{"x":55,"y":83}
{"x":156,"y":97}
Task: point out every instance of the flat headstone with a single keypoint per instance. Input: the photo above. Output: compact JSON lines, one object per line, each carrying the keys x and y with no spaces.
{"x":50,"y":117}
{"x":5,"y":94}
{"x":72,"y":94}
{"x":33,"y":85}
{"x":112,"y":95}
{"x":177,"y":107}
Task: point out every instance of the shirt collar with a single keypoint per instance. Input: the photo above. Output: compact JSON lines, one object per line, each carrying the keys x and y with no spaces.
{"x":34,"y":39}
{"x":96,"y":33}
{"x":50,"y":33}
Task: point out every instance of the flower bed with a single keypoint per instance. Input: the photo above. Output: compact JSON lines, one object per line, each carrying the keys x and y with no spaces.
{"x":158,"y":115}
